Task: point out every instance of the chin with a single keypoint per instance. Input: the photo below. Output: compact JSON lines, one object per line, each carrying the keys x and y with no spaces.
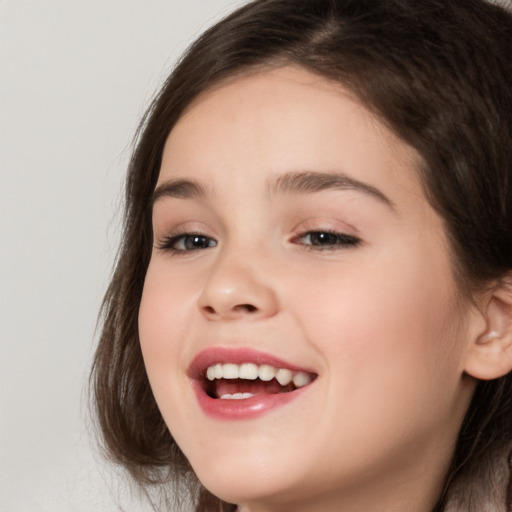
{"x":246,"y":477}
{"x":237,"y":487}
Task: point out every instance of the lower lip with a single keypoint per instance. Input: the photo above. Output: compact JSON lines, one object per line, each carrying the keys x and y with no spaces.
{"x":245,"y":408}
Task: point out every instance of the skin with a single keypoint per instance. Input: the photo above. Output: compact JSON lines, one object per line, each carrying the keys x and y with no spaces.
{"x":381,"y":322}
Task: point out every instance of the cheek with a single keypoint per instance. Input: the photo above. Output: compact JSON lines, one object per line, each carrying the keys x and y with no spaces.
{"x":166,"y":305}
{"x":388,"y":330}
{"x":164,"y":323}
{"x":392,"y":358}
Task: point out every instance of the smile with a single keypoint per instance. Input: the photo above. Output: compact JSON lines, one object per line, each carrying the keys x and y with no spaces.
{"x":243,"y":383}
{"x":234,"y":381}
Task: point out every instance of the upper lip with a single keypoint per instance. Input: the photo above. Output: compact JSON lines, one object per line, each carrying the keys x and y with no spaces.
{"x":239,"y":355}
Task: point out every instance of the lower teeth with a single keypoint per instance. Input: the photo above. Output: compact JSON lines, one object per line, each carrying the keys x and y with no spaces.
{"x":236,"y":396}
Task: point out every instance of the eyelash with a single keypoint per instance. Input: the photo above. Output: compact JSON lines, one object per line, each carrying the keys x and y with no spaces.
{"x":335,"y":241}
{"x":167,"y":244}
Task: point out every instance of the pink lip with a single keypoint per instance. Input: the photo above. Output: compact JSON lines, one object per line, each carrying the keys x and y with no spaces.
{"x":238,"y":409}
{"x":211,"y":356}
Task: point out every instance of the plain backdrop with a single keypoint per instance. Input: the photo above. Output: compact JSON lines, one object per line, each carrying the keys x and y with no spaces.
{"x":75,"y":77}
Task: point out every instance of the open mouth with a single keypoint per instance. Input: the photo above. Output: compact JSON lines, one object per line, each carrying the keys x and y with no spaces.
{"x":230,"y":381}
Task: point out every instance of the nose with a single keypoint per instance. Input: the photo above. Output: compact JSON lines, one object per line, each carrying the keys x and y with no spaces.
{"x":238,"y":288}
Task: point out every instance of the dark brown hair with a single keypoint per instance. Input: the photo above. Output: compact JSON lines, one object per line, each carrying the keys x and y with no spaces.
{"x":438,"y":73}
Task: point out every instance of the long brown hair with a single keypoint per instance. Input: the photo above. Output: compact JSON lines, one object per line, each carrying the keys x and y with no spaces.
{"x":437,"y":73}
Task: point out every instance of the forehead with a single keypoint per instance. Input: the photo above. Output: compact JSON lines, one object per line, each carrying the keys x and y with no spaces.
{"x":282,"y":120}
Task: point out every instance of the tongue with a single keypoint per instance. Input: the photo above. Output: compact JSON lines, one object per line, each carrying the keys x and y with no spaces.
{"x":256,"y":387}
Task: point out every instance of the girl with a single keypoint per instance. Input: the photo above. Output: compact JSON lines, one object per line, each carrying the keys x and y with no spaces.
{"x":312,"y":306}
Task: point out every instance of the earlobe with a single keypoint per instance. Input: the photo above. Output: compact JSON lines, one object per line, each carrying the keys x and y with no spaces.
{"x":489,"y":355}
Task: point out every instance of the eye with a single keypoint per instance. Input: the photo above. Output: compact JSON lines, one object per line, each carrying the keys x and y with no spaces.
{"x":185,"y":242}
{"x":322,"y":240}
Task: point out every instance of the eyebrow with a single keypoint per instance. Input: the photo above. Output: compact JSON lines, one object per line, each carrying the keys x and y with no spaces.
{"x":179,"y":188}
{"x":304,"y":182}
{"x":307,"y":182}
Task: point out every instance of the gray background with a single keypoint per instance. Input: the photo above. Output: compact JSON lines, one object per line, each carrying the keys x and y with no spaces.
{"x":75,"y":77}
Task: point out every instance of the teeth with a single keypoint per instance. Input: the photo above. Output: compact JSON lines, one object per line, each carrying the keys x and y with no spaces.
{"x":236,"y":396}
{"x":210,"y":373}
{"x":230,"y":371}
{"x":301,"y":379}
{"x":284,"y":377}
{"x":248,"y":371}
{"x":266,"y":372}
{"x":251,"y":371}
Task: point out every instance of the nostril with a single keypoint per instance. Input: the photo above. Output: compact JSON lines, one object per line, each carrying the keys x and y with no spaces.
{"x":230,"y":311}
{"x":247,"y":307}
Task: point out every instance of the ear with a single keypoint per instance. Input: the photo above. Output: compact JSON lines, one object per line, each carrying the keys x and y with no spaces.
{"x":489,"y":354}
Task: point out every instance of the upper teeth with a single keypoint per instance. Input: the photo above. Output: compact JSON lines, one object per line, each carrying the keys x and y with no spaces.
{"x":251,"y":371}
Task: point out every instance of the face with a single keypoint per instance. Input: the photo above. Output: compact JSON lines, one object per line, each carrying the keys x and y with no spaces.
{"x":300,"y":321}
